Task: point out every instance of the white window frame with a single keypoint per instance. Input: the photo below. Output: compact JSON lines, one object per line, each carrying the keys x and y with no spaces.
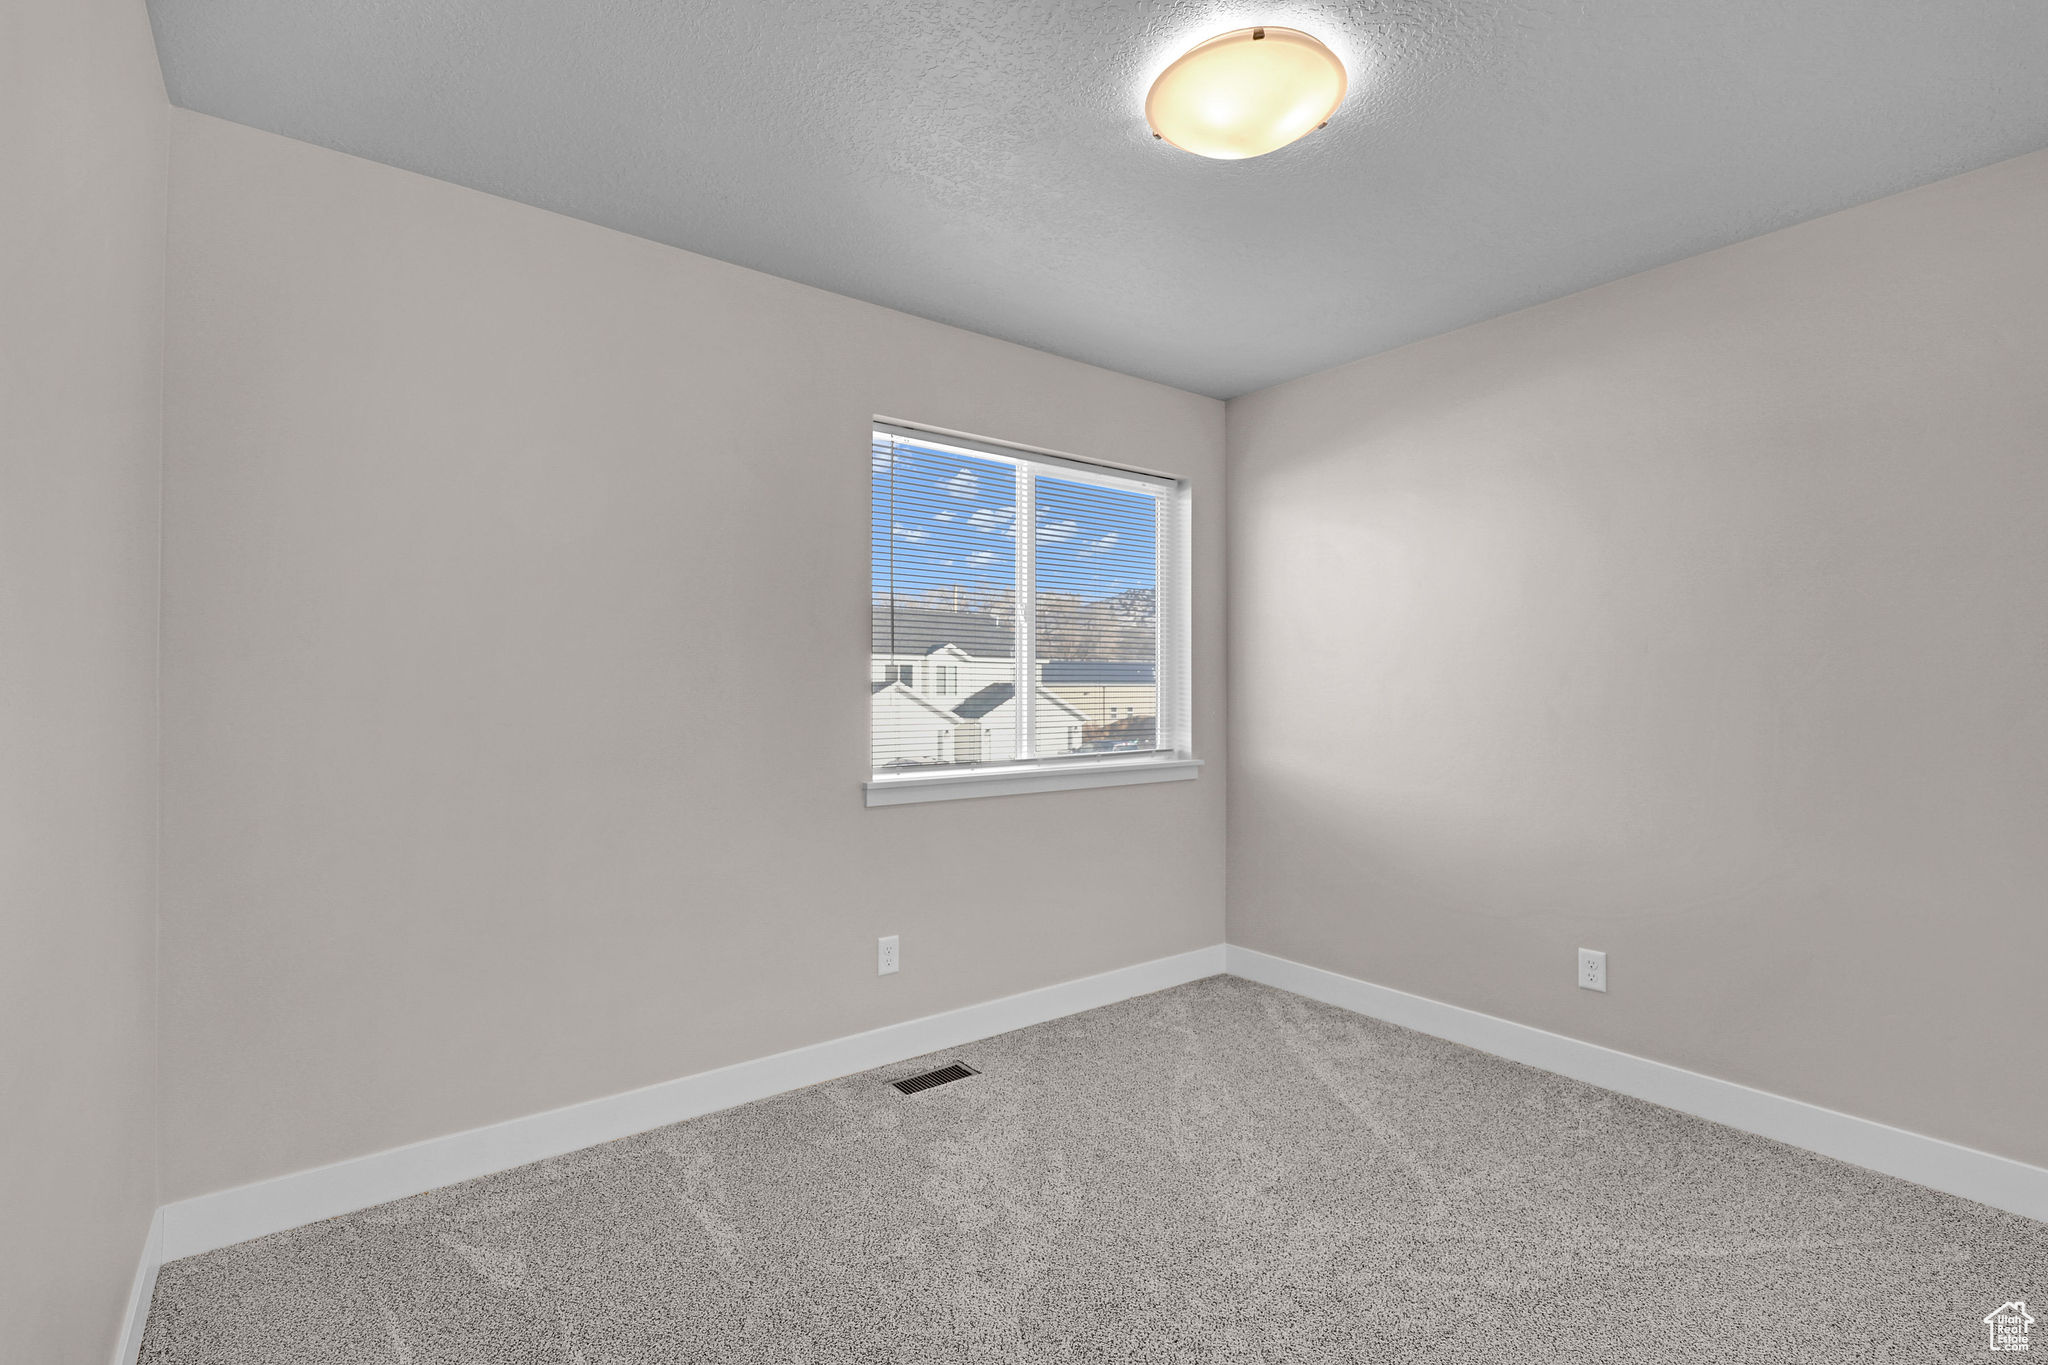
{"x":1174,"y":760}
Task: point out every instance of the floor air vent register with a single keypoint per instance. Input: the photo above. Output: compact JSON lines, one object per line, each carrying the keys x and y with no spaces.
{"x":958,"y":1071}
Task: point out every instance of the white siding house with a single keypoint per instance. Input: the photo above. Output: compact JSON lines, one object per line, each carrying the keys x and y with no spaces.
{"x":909,"y":730}
{"x":994,"y":713}
{"x":943,"y":690}
{"x":947,"y":673}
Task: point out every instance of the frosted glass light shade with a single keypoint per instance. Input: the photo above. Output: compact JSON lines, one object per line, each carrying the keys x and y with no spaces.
{"x":1246,"y":93}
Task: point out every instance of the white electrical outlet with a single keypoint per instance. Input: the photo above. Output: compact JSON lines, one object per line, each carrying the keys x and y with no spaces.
{"x":885,"y":955}
{"x":1592,"y":970}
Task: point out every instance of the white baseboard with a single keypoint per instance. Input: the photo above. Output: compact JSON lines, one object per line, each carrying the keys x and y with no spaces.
{"x":141,"y":1292}
{"x":200,"y":1224}
{"x":1995,"y":1180}
{"x":236,"y":1215}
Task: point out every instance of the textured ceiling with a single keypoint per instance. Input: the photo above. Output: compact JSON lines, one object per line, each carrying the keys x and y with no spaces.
{"x":986,"y":162}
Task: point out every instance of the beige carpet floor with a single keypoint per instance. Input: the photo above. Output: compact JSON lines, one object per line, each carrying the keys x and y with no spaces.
{"x":1217,"y":1173}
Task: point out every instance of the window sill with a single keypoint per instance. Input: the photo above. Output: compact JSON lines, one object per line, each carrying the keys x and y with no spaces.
{"x":904,"y":790}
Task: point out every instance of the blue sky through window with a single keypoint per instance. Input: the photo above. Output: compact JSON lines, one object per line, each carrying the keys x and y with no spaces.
{"x":1095,"y":541}
{"x":943,"y":520}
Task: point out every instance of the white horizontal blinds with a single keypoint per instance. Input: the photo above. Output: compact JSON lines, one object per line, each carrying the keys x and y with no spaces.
{"x":968,"y":616}
{"x":943,"y":668}
{"x":1097,"y":629}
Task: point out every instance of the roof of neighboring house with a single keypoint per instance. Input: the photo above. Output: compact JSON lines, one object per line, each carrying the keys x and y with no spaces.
{"x":1076,"y":672}
{"x":985,"y":701}
{"x":926,"y":702}
{"x":920,"y":630}
{"x":995,"y":694}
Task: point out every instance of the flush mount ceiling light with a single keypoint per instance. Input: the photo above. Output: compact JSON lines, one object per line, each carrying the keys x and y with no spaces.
{"x":1246,"y":93}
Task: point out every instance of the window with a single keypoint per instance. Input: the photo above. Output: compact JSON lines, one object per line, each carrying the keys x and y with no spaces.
{"x":1055,"y":591}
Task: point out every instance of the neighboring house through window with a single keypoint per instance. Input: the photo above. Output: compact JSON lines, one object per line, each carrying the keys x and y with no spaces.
{"x":1041,"y":601}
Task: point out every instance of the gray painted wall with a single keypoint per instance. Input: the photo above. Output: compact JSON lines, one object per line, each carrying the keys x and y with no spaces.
{"x":515,"y":706}
{"x":81,"y":333}
{"x":1696,"y":618}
